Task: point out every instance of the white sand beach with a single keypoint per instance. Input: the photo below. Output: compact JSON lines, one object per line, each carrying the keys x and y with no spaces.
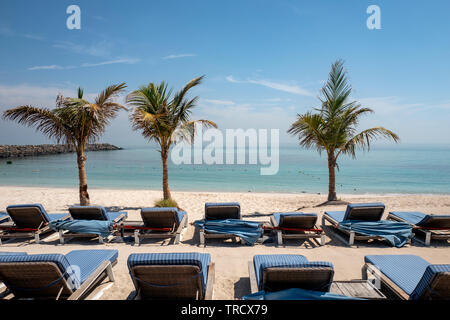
{"x":231,"y":278}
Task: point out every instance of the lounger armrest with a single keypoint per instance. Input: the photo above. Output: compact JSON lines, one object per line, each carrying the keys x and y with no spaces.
{"x":252,"y":276}
{"x":120,"y":218}
{"x":369,"y":268}
{"x":91,"y":280}
{"x":273,"y":221}
{"x":210,"y":282}
{"x":182,"y":224}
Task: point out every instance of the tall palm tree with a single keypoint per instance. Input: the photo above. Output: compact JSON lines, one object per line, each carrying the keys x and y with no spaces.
{"x":333,"y":128}
{"x":74,"y":121}
{"x":163,"y":117}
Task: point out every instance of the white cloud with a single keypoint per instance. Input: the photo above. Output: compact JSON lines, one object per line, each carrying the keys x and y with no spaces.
{"x":176,"y":56}
{"x":85,"y":65}
{"x":220,"y":102}
{"x":52,"y":67}
{"x":5,"y":31}
{"x":118,"y":61}
{"x":290,"y":88}
{"x":40,"y":96}
{"x":100,"y":49}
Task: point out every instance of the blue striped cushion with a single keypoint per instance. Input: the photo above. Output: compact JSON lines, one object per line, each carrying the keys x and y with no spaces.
{"x":178,"y":213}
{"x":4,"y":217}
{"x":410,"y":217}
{"x":34,"y":205}
{"x":427,"y":279}
{"x":336,"y":215}
{"x":352,"y":206}
{"x":202,"y":260}
{"x":262,"y":262}
{"x":404,"y":270}
{"x":89,"y":260}
{"x":56,"y":216}
{"x":111,"y":216}
{"x":59,"y":259}
{"x":13,"y":253}
{"x":279,"y":215}
{"x":224,"y":204}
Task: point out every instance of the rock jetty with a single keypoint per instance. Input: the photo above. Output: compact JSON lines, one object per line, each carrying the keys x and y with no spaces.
{"x":12,"y":151}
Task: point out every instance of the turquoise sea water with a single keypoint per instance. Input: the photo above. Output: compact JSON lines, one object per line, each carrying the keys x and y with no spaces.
{"x":399,"y":169}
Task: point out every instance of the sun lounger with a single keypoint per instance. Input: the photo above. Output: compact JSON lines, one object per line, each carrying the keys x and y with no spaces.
{"x":98,"y":213}
{"x":293,"y":277}
{"x":358,"y":212}
{"x":220,"y":211}
{"x":28,"y":221}
{"x":4,"y":217}
{"x":409,"y":277}
{"x":284,"y":271}
{"x":296,"y":225}
{"x":158,"y":223}
{"x":431,"y":225}
{"x":172,"y":275}
{"x":56,"y":276}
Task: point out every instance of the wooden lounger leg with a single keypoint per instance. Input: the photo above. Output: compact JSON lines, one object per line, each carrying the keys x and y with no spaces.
{"x":351,"y":239}
{"x":136,"y":237}
{"x":279,"y":237}
{"x":202,"y":237}
{"x":61,"y":236}
{"x":427,"y":238}
{"x":100,"y":240}
{"x":323,"y":238}
{"x":36,"y":238}
{"x":177,"y":238}
{"x":110,"y":273}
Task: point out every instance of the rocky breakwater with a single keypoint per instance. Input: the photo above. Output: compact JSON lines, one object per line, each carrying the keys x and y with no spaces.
{"x":12,"y":151}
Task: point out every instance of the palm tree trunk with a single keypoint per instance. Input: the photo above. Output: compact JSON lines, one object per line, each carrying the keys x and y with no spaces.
{"x":84,"y":195}
{"x":331,"y":178}
{"x":166,"y":189}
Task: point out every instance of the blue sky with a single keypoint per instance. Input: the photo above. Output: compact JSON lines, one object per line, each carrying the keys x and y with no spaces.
{"x":264,"y":61}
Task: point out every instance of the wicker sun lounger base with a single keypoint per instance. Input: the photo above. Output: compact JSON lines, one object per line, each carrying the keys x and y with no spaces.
{"x":317,"y":234}
{"x":205,"y":235}
{"x":141,"y":232}
{"x":8,"y":231}
{"x":352,"y":236}
{"x":356,"y":288}
{"x":63,"y":235}
{"x":429,"y":233}
{"x":52,"y":280}
{"x":408,"y":277}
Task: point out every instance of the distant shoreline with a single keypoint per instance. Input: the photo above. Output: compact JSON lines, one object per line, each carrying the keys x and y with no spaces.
{"x":22,"y":151}
{"x":324,"y":194}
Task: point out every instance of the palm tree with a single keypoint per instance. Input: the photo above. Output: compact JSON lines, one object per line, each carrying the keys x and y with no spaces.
{"x":163,"y":117}
{"x":334,"y":127}
{"x":74,"y":121}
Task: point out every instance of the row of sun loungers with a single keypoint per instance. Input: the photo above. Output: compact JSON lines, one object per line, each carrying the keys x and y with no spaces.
{"x":223,"y":221}
{"x":191,"y":276}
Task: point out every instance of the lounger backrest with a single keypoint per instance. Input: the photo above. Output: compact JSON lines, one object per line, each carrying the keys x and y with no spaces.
{"x":219,"y":211}
{"x":40,"y":275}
{"x":304,"y":221}
{"x":169,"y":275}
{"x":435,"y":221}
{"x":364,"y":211}
{"x":168,"y":282}
{"x":88,"y":213}
{"x":30,"y":216}
{"x":434,"y":285}
{"x":160,"y":217}
{"x":316,"y":276}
